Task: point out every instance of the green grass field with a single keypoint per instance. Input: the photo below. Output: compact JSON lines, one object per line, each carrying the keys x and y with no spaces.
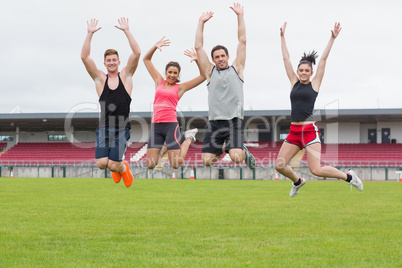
{"x":47,"y":222}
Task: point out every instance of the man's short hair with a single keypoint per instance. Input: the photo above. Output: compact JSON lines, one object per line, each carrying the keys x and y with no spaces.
{"x":217,"y":48}
{"x":110,"y":51}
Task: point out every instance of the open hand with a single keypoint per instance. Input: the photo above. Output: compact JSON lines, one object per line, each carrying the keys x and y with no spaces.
{"x":206,"y":16}
{"x":123,"y":24}
{"x":162,"y":43}
{"x":238,"y":9}
{"x":192,"y":54}
{"x":92,"y":26}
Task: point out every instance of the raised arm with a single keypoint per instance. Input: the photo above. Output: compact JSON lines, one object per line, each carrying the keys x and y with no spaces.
{"x":316,"y":82}
{"x":183,"y":87}
{"x":286,"y":58}
{"x":205,"y":64}
{"x":89,"y":63}
{"x":133,"y":59}
{"x":240,"y":61}
{"x":156,"y":76}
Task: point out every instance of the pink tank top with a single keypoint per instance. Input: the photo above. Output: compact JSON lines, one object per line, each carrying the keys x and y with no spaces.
{"x":165,"y":104}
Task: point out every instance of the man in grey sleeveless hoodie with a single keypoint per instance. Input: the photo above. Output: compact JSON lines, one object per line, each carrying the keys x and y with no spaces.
{"x":225,"y":99}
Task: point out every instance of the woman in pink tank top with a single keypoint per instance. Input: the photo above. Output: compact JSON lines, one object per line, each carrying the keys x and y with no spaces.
{"x":165,"y":133}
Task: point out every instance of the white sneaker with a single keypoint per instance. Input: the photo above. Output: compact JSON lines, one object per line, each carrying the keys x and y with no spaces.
{"x":355,"y":182}
{"x":295,"y":189}
{"x":191,"y":134}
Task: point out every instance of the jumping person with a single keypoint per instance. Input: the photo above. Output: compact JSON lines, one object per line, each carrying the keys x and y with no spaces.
{"x":304,"y":133}
{"x":114,"y":92}
{"x":225,"y":99}
{"x":168,"y":92}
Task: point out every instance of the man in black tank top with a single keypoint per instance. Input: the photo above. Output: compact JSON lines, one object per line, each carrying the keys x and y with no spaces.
{"x":114,"y":92}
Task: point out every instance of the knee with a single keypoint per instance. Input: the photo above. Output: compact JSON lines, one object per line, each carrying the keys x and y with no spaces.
{"x":176,"y":165}
{"x":207,"y":162}
{"x":150,"y":163}
{"x":279,"y":165}
{"x":102,"y":164}
{"x":236,"y":155}
{"x":316,"y":172}
{"x":236,"y":159}
{"x":114,"y":166}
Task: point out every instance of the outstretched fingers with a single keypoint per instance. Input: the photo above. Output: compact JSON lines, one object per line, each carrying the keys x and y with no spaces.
{"x":191,"y":53}
{"x":206,"y":16}
{"x":162,"y":43}
{"x":92,"y":26}
{"x":123,"y":24}
{"x":238,"y":9}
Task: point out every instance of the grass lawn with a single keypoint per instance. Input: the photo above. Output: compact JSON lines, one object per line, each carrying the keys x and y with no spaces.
{"x":75,"y":222}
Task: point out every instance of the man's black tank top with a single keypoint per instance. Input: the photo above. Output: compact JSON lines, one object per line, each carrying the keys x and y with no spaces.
{"x":302,"y":98}
{"x":115,"y":106}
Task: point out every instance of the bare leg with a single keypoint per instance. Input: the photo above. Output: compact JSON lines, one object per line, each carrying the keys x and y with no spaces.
{"x":286,"y":153}
{"x":102,"y":162}
{"x":209,"y":159}
{"x":152,"y":159}
{"x":115,"y":166}
{"x":314,"y":164}
{"x":237,"y":155}
{"x":176,"y":157}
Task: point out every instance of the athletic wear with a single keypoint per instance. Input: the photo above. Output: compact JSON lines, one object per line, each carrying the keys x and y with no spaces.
{"x":165,"y":132}
{"x":355,"y":182}
{"x":303,"y":99}
{"x":116,"y":176}
{"x":114,"y":129}
{"x":191,"y":134}
{"x":127,"y":176}
{"x":295,"y":189}
{"x":165,"y":103}
{"x":249,"y":158}
{"x":225,"y":98}
{"x":221,"y":131}
{"x":115,"y":106}
{"x":303,"y":135}
{"x":111,"y":143}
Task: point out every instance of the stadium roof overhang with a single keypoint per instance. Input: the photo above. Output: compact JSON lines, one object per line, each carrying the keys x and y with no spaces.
{"x":88,"y":121}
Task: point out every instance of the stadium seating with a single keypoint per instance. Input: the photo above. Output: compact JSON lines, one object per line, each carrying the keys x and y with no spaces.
{"x":2,"y":145}
{"x":265,"y":153}
{"x":56,"y":153}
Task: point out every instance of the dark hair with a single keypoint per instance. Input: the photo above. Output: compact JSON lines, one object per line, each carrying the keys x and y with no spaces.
{"x":173,"y":64}
{"x":308,"y":58}
{"x":217,"y":48}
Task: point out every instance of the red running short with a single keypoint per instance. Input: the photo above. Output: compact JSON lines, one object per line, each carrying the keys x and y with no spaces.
{"x":303,"y":135}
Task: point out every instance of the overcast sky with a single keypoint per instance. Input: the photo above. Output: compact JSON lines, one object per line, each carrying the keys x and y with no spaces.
{"x":41,"y":41}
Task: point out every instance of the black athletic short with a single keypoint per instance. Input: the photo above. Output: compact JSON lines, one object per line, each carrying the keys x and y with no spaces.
{"x":220,"y":131}
{"x":168,"y":133}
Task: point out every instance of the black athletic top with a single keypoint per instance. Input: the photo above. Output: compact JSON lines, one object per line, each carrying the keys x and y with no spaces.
{"x":115,"y":106}
{"x":302,"y":98}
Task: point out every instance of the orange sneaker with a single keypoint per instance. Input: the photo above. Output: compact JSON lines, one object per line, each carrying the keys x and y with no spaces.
{"x":116,"y":176}
{"x":127,"y":176}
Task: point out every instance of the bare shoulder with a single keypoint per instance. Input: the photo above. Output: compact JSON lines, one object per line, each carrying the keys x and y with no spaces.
{"x":239,"y":70}
{"x":315,"y":84}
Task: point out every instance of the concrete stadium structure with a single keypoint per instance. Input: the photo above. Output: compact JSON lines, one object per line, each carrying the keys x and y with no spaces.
{"x":344,"y":126}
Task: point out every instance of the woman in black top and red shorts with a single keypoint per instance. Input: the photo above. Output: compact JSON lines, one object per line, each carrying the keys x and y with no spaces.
{"x":304,"y":132}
